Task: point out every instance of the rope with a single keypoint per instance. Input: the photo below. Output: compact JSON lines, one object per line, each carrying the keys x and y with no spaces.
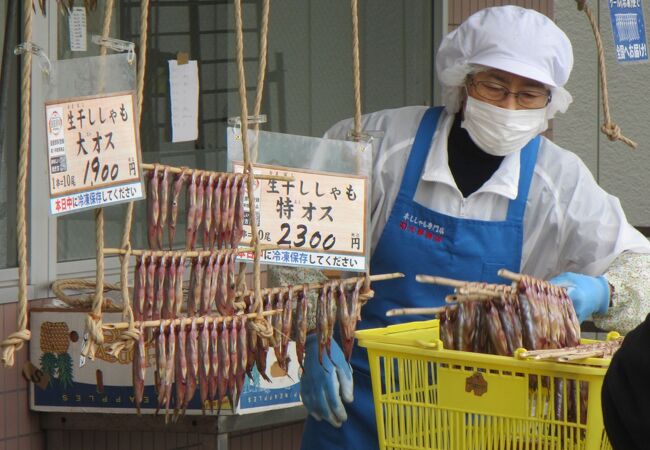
{"x":127,"y":312}
{"x":94,"y":318}
{"x":16,"y":340}
{"x":356,"y":80}
{"x":248,"y":166}
{"x":261,"y":73}
{"x":356,"y":69}
{"x":59,"y":286}
{"x":609,"y":128}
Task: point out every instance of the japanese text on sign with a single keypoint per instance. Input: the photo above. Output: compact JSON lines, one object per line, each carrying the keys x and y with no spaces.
{"x":628,"y":29}
{"x":92,"y":144}
{"x":316,"y":212}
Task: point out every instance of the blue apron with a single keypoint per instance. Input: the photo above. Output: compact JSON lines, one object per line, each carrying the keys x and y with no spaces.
{"x":417,"y":240}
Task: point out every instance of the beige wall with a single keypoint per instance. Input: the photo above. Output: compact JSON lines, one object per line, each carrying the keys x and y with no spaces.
{"x":619,"y":170}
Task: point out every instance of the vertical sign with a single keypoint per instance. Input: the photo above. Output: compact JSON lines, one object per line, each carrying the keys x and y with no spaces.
{"x":318,"y":217}
{"x":184,"y":98}
{"x":93,"y":152}
{"x":77,"y":25}
{"x":628,"y":28}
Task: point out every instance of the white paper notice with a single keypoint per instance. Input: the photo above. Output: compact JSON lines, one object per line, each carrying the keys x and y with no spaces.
{"x":184,"y":94}
{"x":77,"y":24}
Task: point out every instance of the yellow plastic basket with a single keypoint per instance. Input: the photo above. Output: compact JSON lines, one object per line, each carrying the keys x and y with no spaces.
{"x":429,"y":398}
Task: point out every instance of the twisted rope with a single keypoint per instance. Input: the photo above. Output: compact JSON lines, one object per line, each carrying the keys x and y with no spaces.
{"x":15,"y":341}
{"x":248,"y":165}
{"x":59,"y":287}
{"x":261,"y":73}
{"x":609,"y":128}
{"x":127,"y":312}
{"x":94,"y":318}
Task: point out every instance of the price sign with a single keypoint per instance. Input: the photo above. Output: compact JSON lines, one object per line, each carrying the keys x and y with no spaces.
{"x":320,"y":218}
{"x":93,"y":152}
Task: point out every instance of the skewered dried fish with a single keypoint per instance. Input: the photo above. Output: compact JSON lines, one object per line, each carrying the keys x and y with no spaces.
{"x":178,"y":186}
{"x":150,"y":290}
{"x":238,"y":224}
{"x":331,"y":317}
{"x":164,"y":207}
{"x":139,"y":286}
{"x":216,"y":211}
{"x":153,"y":208}
{"x":200,"y":207}
{"x":225,"y":207}
{"x":224,"y":363}
{"x":214,"y":281}
{"x":170,"y":369}
{"x":321,"y":322}
{"x":214,"y":365}
{"x":495,"y":329}
{"x":230,"y":228}
{"x":190,"y":231}
{"x":178,"y":294}
{"x":192,"y":363}
{"x":207,"y":286}
{"x":207,"y":219}
{"x":263,"y":344}
{"x":161,"y":363}
{"x":242,"y":348}
{"x":234,"y":361}
{"x":168,"y":311}
{"x":286,"y":326}
{"x":302,"y":324}
{"x":204,"y":365}
{"x":181,"y":368}
{"x":139,"y":370}
{"x":159,"y":298}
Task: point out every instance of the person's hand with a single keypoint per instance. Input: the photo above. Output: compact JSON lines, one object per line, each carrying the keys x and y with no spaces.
{"x":325,"y":388}
{"x":589,"y":294}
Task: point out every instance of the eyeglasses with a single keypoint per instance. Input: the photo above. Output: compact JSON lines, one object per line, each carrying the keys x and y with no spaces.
{"x":489,"y":90}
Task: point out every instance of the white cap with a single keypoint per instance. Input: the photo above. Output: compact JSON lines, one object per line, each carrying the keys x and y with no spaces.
{"x":510,"y":38}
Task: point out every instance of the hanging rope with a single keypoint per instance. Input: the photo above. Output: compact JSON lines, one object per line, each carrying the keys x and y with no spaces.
{"x":261,"y":73}
{"x":15,"y":341}
{"x":248,"y":166}
{"x":367,"y":293}
{"x":59,"y":287}
{"x":609,"y":128}
{"x":94,"y":318}
{"x":127,"y":313}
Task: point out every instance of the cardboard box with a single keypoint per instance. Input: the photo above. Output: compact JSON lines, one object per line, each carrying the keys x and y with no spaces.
{"x":105,"y":384}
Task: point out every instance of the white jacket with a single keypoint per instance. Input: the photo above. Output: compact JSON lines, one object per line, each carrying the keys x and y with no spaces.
{"x":570,"y":223}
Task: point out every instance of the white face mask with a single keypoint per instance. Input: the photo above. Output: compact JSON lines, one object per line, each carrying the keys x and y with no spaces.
{"x":500,"y":131}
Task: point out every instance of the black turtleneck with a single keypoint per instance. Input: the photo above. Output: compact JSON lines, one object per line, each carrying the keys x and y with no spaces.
{"x":470,"y":166}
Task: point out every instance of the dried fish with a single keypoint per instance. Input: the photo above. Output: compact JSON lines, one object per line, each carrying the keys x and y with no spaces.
{"x":170,"y":369}
{"x":139,"y":286}
{"x":242,"y":348}
{"x":207,"y":286}
{"x":234,"y":360}
{"x":178,"y":294}
{"x":214,"y":365}
{"x":321,"y":322}
{"x":161,"y":362}
{"x":181,"y":368}
{"x":287,"y":312}
{"x":495,"y":329}
{"x":192,"y":363}
{"x":150,"y":289}
{"x":263,"y":344}
{"x":153,"y":208}
{"x":238,"y":224}
{"x":164,"y":207}
{"x":214,"y":281}
{"x":230,"y":228}
{"x":225,"y":207}
{"x":168,"y":311}
{"x":178,"y":186}
{"x":224,"y":363}
{"x":159,"y":298}
{"x":139,"y":370}
{"x":343,"y":314}
{"x":190,"y":231}
{"x":216,"y":211}
{"x":302,"y":324}
{"x":331,"y":317}
{"x":204,"y":364}
{"x":200,"y":207}
{"x":207,"y":219}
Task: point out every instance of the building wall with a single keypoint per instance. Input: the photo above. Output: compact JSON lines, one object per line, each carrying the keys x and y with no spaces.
{"x":618,"y":169}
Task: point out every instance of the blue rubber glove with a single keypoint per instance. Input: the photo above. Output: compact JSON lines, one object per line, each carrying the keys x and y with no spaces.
{"x":589,"y":294}
{"x":325,"y":388}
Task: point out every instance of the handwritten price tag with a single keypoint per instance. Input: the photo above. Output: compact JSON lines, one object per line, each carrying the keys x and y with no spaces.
{"x":93,"y":148}
{"x":320,"y":216}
